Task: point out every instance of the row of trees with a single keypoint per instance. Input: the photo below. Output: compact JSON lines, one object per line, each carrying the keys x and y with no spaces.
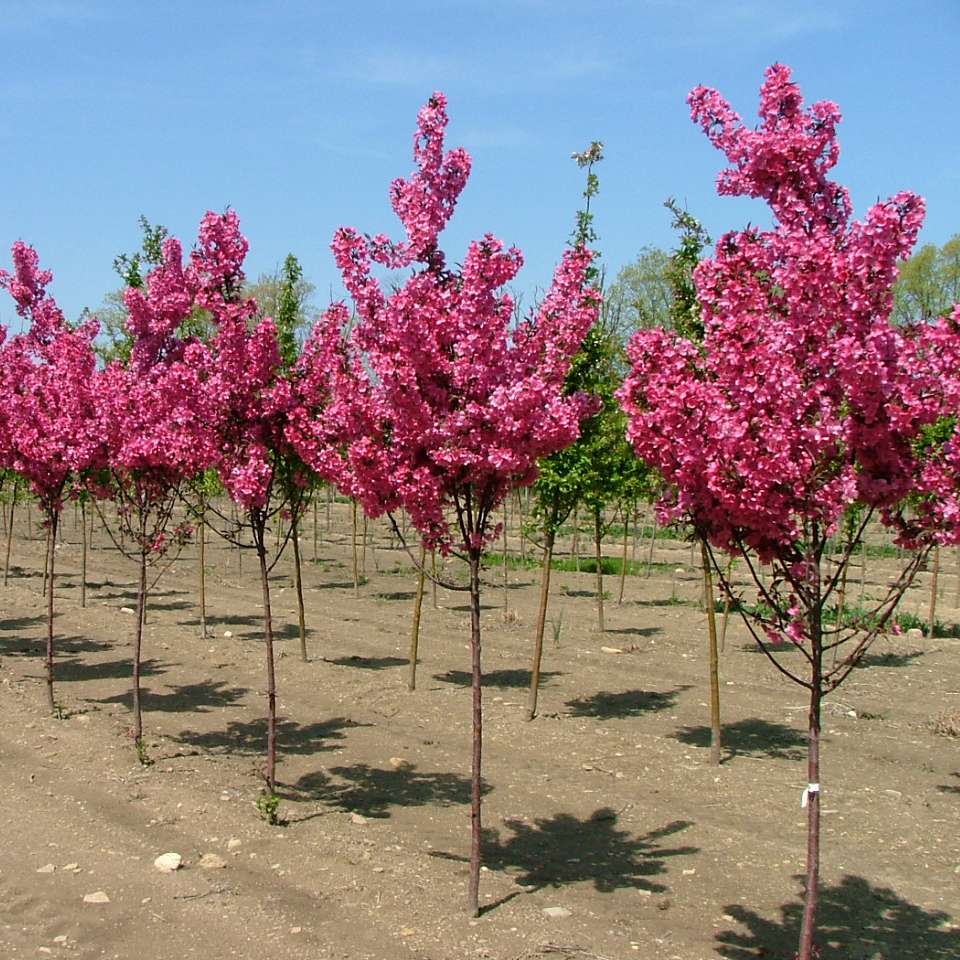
{"x":781,"y":409}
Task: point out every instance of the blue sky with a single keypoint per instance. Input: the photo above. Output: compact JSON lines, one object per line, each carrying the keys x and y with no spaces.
{"x":299,"y":114}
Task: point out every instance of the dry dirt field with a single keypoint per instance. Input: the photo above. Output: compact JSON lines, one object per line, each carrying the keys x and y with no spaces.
{"x":605,"y":806}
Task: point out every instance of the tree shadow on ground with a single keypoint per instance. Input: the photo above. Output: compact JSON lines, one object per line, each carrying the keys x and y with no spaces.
{"x":76,"y":670}
{"x":22,"y":623}
{"x":333,"y":585}
{"x":562,"y":850}
{"x":855,"y":921}
{"x":284,"y":631}
{"x":251,"y":737}
{"x":950,"y":787}
{"x":369,"y":663}
{"x":372,"y":791}
{"x":752,"y":737}
{"x":628,"y":703}
{"x":396,"y":595}
{"x":890,"y":659}
{"x":185,"y":698}
{"x":36,"y":646}
{"x":635,"y":631}
{"x":504,"y":679}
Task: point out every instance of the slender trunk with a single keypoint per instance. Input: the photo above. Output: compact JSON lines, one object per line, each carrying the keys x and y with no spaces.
{"x":548,"y":540}
{"x":711,"y":607}
{"x":138,"y":642}
{"x":727,"y":598}
{"x":415,"y":629}
{"x":201,"y":543}
{"x":356,"y":559}
{"x":623,"y":562}
{"x":433,"y":581}
{"x":83,"y":554}
{"x":51,"y":542}
{"x":52,"y":517}
{"x":473,"y":891}
{"x":13,"y":503}
{"x":934,"y":576}
{"x":575,"y":546}
{"x":258,"y":524}
{"x":363,"y":550}
{"x":653,"y":543}
{"x":812,"y":792}
{"x":523,"y":533}
{"x":506,"y":575}
{"x":298,"y":579}
{"x":598,"y":554}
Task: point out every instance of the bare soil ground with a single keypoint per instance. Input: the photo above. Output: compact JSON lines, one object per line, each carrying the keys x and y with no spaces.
{"x":605,"y":806}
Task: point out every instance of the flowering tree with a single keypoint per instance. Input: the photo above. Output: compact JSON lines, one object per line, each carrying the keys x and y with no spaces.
{"x":437,"y":404}
{"x":49,"y":431}
{"x":803,"y":401}
{"x":253,"y":397}
{"x":159,"y":421}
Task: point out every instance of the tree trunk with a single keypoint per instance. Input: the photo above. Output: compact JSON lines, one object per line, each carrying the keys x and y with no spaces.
{"x":548,"y":540}
{"x":415,"y":628}
{"x":13,"y":503}
{"x":51,"y":541}
{"x":711,"y":608}
{"x":598,"y":554}
{"x":363,"y":551}
{"x":575,"y":546}
{"x":83,"y":554}
{"x":356,"y":559}
{"x":473,"y":890}
{"x":201,"y":543}
{"x":298,"y":579}
{"x":811,"y":796}
{"x":506,"y":575}
{"x":138,"y":642}
{"x":258,"y":524}
{"x":433,"y":580}
{"x":653,"y":543}
{"x":52,"y":517}
{"x":623,"y":562}
{"x":934,"y":577}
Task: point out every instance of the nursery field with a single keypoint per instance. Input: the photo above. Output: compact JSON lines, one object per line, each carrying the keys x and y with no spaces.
{"x":609,"y":833}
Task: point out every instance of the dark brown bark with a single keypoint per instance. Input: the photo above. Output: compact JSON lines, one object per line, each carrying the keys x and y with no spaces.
{"x":934,"y":578}
{"x":711,"y":608}
{"x":258,"y":524}
{"x":811,"y":795}
{"x":548,"y":542}
{"x":138,"y":639}
{"x":83,"y":554}
{"x":52,"y":517}
{"x":298,"y":578}
{"x":473,"y":891}
{"x":415,"y":628}
{"x":598,"y":555}
{"x":201,"y":543}
{"x":13,"y":503}
{"x":356,"y":559}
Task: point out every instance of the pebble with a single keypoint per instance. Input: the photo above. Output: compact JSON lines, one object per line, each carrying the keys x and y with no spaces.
{"x":358,"y":818}
{"x":168,"y":862}
{"x":610,"y":650}
{"x":61,"y":939}
{"x":228,"y":633}
{"x":127,"y":610}
{"x":46,"y":868}
{"x":296,"y":929}
{"x":556,"y":913}
{"x":211,"y":861}
{"x":400,"y":763}
{"x":98,"y":897}
{"x":234,"y":844}
{"x":75,"y":867}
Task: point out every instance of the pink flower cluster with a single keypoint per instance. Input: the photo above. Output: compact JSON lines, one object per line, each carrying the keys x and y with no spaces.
{"x":50,"y":421}
{"x":436,"y":398}
{"x":803,"y":398}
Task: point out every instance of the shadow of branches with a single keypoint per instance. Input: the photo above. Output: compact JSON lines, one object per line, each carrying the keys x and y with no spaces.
{"x":752,"y":737}
{"x":856,"y":921}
